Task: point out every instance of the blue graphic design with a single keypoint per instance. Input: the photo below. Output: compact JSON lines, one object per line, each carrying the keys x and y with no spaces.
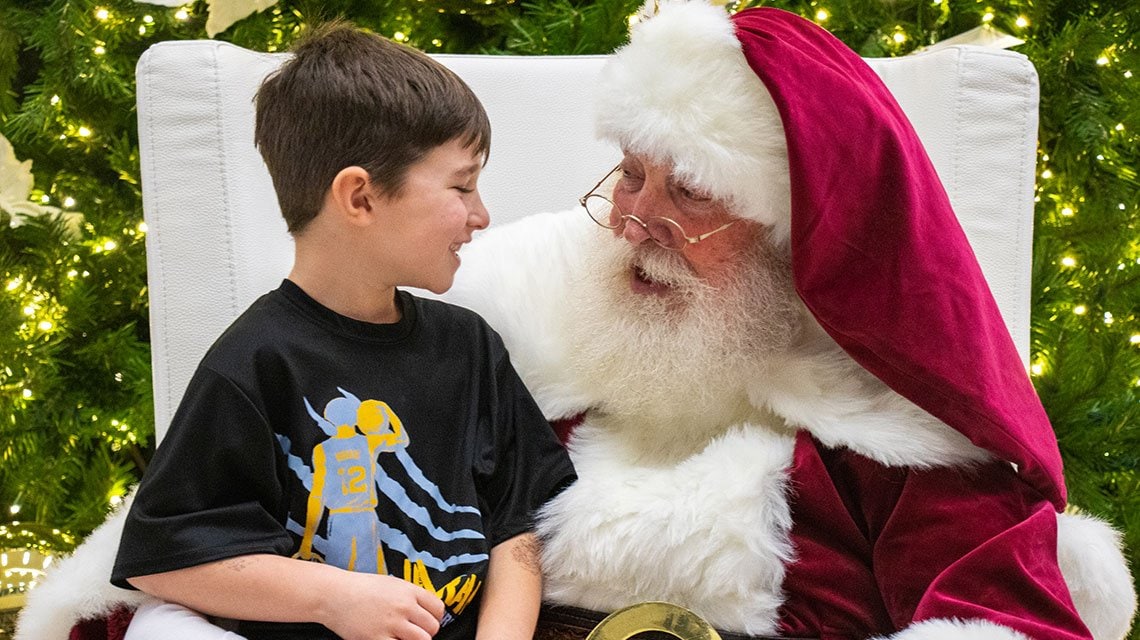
{"x":345,"y":480}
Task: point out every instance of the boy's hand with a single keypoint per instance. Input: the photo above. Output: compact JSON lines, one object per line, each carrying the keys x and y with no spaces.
{"x":373,"y":607}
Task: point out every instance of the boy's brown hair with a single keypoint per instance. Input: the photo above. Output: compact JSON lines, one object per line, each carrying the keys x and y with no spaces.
{"x":351,"y":98}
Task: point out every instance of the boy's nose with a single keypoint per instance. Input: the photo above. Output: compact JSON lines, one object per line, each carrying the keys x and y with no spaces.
{"x":478,"y":216}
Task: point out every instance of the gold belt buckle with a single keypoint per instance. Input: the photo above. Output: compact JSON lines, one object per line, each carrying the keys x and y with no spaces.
{"x":664,"y":617}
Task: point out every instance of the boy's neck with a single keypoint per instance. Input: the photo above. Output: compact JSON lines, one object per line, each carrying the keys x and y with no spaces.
{"x":348,"y":296}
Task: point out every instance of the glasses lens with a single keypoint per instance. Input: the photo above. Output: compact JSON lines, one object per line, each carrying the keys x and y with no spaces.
{"x":601,"y":209}
{"x":665,"y":232}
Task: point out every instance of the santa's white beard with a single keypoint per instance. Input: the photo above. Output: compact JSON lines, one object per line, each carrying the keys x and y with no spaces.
{"x":656,"y":362}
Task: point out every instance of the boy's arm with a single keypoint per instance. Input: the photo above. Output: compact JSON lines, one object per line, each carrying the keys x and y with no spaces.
{"x":513,"y":590}
{"x":273,"y":588}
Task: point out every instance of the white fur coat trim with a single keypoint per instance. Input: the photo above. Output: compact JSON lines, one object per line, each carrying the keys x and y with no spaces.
{"x":940,"y":629}
{"x":630,"y":531}
{"x":515,"y":276}
{"x":79,"y":587}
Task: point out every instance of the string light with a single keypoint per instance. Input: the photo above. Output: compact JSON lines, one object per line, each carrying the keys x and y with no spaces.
{"x":1108,"y":317}
{"x":1135,"y":339}
{"x":182,"y":14}
{"x":1046,"y":174}
{"x":1067,"y":212}
{"x":988,"y":16}
{"x":822,"y":15}
{"x":68,"y":202}
{"x":102,"y":14}
{"x":22,"y":569}
{"x":899,"y":37}
{"x":1102,"y":61}
{"x":1080,"y":309}
{"x":1022,"y":22}
{"x":1068,"y":261}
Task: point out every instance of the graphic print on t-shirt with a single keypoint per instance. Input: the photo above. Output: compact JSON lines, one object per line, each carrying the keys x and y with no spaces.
{"x":346,"y":482}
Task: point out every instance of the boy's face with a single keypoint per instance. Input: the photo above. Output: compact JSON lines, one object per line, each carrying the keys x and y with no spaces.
{"x":437,"y":213}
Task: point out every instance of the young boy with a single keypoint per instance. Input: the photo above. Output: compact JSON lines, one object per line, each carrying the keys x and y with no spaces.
{"x":350,"y":460}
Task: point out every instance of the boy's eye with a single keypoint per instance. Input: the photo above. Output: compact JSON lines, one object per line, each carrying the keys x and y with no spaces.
{"x":464,"y":189}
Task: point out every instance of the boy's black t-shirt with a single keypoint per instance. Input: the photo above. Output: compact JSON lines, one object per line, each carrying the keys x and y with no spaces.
{"x":304,"y":432}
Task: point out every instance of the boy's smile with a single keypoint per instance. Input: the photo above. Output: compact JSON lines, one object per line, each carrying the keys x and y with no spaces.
{"x":437,"y":212}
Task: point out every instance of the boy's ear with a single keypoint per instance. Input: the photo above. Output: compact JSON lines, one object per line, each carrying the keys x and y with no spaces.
{"x":353,"y":195}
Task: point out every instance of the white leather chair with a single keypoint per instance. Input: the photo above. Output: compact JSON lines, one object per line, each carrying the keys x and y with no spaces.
{"x":216,"y":241}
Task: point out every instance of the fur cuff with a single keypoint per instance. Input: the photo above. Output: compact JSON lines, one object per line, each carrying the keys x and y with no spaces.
{"x":948,"y":629}
{"x":515,"y":276}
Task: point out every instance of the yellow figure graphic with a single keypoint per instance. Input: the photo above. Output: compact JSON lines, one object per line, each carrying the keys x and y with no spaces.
{"x":344,"y":483}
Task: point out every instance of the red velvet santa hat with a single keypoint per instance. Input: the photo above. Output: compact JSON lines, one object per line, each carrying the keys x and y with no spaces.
{"x":776,"y":116}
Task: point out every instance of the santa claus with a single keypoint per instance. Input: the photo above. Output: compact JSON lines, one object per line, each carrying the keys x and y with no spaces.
{"x":792,"y":403}
{"x":795,"y":408}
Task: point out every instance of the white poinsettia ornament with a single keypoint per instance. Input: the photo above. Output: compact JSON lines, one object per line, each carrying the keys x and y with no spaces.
{"x":222,"y":14}
{"x":16,"y":185}
{"x":983,"y":35}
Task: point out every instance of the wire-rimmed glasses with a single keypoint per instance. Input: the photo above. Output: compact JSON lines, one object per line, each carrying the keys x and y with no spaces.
{"x":666,"y":232}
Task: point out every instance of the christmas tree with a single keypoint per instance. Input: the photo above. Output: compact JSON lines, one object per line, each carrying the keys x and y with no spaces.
{"x":75,"y":397}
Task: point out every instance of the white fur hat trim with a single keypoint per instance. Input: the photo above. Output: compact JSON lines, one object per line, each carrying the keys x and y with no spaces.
{"x":682,"y":92}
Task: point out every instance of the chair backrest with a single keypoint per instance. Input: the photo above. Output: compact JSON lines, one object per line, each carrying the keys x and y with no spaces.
{"x":216,"y":241}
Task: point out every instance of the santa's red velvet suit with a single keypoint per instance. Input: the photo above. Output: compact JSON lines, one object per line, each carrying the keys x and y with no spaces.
{"x":886,"y":472}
